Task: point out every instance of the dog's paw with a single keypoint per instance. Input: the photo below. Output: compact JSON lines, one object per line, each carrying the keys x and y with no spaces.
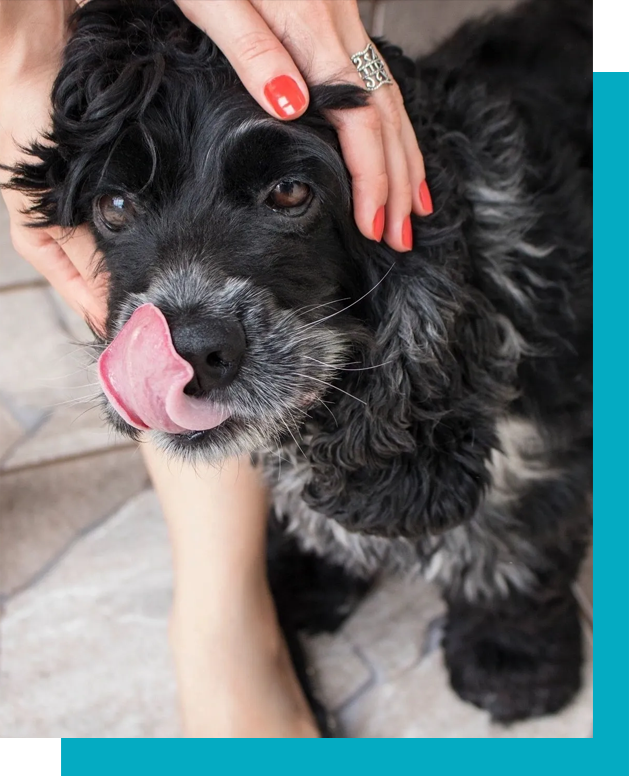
{"x":510,"y":684}
{"x":517,"y":662}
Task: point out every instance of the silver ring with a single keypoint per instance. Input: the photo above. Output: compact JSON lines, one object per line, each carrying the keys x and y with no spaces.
{"x":371,"y":68}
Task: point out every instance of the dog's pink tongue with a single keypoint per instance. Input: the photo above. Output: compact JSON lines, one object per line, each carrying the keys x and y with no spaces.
{"x":143,"y":377}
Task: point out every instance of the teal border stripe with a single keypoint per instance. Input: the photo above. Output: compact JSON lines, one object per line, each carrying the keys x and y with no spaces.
{"x":611,"y":407}
{"x":360,"y":757}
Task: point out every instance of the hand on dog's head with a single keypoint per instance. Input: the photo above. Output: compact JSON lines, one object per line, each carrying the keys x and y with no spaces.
{"x":208,"y":208}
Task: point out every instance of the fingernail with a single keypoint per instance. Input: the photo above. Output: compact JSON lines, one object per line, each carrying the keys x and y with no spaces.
{"x":378,"y":224}
{"x":407,"y":233}
{"x":285,"y":96}
{"x":425,"y":198}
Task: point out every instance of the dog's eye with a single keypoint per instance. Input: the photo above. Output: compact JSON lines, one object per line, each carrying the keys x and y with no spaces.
{"x":288,"y":195}
{"x":113,"y":212}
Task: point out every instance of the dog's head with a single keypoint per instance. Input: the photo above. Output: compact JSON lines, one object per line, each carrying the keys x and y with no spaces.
{"x":239,"y":229}
{"x":233,"y":224}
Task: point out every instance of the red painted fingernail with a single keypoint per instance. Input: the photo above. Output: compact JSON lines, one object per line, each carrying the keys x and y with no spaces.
{"x":407,"y":233}
{"x":425,"y":198}
{"x":378,"y":224}
{"x":285,"y":96}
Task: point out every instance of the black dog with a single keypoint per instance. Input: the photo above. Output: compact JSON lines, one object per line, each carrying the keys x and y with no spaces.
{"x":430,"y":409}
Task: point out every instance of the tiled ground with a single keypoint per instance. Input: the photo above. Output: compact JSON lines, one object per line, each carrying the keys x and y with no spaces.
{"x":84,"y":564}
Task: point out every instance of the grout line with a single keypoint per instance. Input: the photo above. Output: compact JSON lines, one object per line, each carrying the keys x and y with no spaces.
{"x":54,"y":561}
{"x":365,"y":687}
{"x":24,"y":285}
{"x":26,"y":436}
{"x":67,"y":458}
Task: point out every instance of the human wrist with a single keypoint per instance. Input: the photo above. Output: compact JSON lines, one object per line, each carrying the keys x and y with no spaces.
{"x":236,"y":678}
{"x":32,"y":35}
{"x":216,"y":516}
{"x":226,"y":619}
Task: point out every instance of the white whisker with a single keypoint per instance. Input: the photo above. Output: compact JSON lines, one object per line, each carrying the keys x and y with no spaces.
{"x":338,"y":312}
{"x":78,"y":417}
{"x":347,"y":369}
{"x":294,"y":439}
{"x":311,"y":307}
{"x":77,"y":400}
{"x":325,"y":404}
{"x":316,"y":379}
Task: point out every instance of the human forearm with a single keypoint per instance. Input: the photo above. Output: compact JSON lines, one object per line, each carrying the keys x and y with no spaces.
{"x":216,"y":517}
{"x":31,"y":32}
{"x":233,"y":669}
{"x":32,"y":37}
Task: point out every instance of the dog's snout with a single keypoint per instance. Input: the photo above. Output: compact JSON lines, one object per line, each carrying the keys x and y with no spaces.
{"x":214,"y":348}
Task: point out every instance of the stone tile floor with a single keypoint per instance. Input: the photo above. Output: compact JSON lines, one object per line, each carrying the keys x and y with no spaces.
{"x":85,"y":579}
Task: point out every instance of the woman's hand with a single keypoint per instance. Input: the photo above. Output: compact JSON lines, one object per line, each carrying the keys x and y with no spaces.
{"x":32,"y":36}
{"x":274,"y":44}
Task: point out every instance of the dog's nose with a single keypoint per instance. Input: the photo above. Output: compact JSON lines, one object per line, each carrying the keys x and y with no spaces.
{"x":214,"y":348}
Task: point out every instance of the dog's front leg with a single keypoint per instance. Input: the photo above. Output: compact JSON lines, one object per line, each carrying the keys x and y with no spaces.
{"x":513,"y":641}
{"x":518,"y":656}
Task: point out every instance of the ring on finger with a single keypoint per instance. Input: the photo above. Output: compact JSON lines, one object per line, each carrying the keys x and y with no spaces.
{"x":371,"y":68}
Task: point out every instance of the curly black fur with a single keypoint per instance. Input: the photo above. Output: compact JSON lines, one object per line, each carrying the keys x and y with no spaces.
{"x":432,"y":408}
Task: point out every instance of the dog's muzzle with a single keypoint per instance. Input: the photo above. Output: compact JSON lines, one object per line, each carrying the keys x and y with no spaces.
{"x":151,"y":386}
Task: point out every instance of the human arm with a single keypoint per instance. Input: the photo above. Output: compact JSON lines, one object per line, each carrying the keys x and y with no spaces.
{"x":32,"y":36}
{"x":233,"y":669}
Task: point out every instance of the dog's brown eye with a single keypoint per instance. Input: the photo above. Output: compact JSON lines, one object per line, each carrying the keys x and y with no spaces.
{"x":289,"y":194}
{"x":113,"y":211}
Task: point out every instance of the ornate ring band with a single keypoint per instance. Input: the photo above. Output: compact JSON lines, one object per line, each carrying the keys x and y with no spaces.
{"x":371,"y":68}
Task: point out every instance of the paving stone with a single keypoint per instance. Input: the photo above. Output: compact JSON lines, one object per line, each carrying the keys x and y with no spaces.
{"x":40,"y":368}
{"x":85,"y":651}
{"x":98,"y":621}
{"x":28,"y":417}
{"x":419,"y":703}
{"x":43,"y":509}
{"x":390,"y":627}
{"x":49,"y":382}
{"x":10,"y":431}
{"x":411,"y":696}
{"x":67,"y":432}
{"x":340,"y":672}
{"x":71,"y":322}
{"x":418,"y":25}
{"x":13,"y":269}
{"x":415,"y":704}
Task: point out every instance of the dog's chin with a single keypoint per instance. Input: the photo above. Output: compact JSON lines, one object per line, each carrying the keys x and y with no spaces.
{"x":232,"y":437}
{"x":235,"y":436}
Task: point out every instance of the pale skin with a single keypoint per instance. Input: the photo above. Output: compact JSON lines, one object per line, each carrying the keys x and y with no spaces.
{"x":233,"y":669}
{"x":234,"y":674}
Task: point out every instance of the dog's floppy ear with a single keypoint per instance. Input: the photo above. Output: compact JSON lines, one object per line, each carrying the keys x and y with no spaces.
{"x":113,"y":65}
{"x":408,"y":456}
